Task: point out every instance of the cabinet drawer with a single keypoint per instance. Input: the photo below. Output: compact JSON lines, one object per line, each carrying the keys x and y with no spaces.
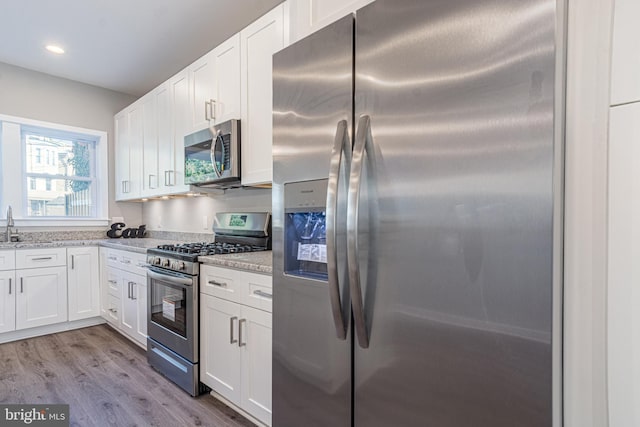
{"x":220,"y":282}
{"x":259,"y":292}
{"x":113,"y":283}
{"x":132,"y":262}
{"x":7,"y":260}
{"x":113,"y":309}
{"x":36,"y":258}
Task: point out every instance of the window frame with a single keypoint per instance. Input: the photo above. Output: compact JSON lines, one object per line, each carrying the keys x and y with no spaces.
{"x":13,"y":146}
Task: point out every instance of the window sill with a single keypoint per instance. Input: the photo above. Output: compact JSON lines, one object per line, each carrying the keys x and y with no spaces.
{"x":58,"y":222}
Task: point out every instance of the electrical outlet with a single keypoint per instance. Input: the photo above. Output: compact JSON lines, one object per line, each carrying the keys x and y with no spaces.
{"x":205,"y":222}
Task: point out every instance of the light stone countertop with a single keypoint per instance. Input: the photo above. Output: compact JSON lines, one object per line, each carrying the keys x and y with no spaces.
{"x":131,"y":245}
{"x":256,"y":262}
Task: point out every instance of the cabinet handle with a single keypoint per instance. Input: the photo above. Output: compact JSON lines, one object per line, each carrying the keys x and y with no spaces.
{"x":21,"y":285}
{"x":112,"y":258}
{"x":231,"y":339}
{"x":219,"y":284}
{"x":263,"y":294}
{"x":113,"y":310}
{"x":46,"y":258}
{"x":72,"y":262}
{"x":206,"y":111}
{"x":113,"y":282}
{"x":126,"y":261}
{"x":133,"y":297}
{"x":212,"y":109}
{"x":240,"y":323}
{"x":150,"y":186}
{"x":9,"y":286}
{"x":167,"y":178}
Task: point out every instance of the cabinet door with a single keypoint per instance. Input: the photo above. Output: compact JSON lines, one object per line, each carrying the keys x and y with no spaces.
{"x":42,"y":296}
{"x":181,"y":120}
{"x":129,"y":313}
{"x":135,"y":139}
{"x":227,"y":80}
{"x":149,"y":185}
{"x":201,"y":91}
{"x":83,"y":283}
{"x":121,"y":154}
{"x":255,"y":336}
{"x":625,"y":61}
{"x":219,"y":351}
{"x":134,"y":306}
{"x":165,"y":147}
{"x":139,"y":294}
{"x":259,"y":41}
{"x":308,"y":16}
{"x":7,"y":301}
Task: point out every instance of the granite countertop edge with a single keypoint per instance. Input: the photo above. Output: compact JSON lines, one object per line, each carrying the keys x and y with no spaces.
{"x":257,"y":262}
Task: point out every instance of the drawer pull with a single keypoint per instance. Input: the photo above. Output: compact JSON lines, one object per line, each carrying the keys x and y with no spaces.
{"x":220,"y":284}
{"x":263,"y":294}
{"x":126,"y":261}
{"x":44,"y":258}
{"x":240,"y":323}
{"x":112,"y":258}
{"x":232,"y":340}
{"x":113,"y":310}
{"x":113,"y":282}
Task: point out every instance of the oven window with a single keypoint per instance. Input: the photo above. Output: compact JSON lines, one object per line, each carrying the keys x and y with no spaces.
{"x":169,"y":306}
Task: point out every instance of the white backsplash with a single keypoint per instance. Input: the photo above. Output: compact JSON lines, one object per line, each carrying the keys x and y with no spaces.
{"x":190,"y":214}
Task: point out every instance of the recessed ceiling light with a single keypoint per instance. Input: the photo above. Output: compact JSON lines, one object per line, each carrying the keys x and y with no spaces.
{"x":55,"y":49}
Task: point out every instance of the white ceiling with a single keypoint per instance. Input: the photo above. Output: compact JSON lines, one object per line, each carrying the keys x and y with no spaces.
{"x":128,"y":46}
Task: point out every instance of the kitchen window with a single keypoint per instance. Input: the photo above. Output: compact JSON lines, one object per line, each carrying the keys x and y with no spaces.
{"x":61,"y":178}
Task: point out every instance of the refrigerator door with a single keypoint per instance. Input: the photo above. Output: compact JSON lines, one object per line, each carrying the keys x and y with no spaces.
{"x":312,"y":111}
{"x":455,"y":104}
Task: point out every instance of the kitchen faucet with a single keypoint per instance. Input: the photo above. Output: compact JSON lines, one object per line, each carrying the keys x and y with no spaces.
{"x":11,"y":235}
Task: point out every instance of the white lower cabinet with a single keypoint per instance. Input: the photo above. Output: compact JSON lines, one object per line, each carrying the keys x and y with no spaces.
{"x":235,"y":338}
{"x":124,"y":292}
{"x":134,"y":306}
{"x":7,"y":301}
{"x":83,"y":280}
{"x":41,"y":296}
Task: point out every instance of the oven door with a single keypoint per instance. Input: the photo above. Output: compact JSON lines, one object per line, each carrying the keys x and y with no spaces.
{"x":172,"y":315}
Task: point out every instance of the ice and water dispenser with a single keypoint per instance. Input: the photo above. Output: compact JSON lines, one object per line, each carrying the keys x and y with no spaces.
{"x":305,"y":252}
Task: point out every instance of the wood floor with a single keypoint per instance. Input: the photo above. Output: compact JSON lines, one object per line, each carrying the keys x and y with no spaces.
{"x":106,"y":381}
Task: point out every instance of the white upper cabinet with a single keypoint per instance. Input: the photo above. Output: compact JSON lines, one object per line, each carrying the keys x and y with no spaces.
{"x":214,"y":85}
{"x":258,"y":42}
{"x":149,"y":145}
{"x":625,"y":61}
{"x":308,"y":16}
{"x":129,"y":125}
{"x":180,"y":114}
{"x":227,"y":81}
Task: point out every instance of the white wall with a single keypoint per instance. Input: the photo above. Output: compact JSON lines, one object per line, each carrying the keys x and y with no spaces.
{"x":187,"y":214}
{"x":623,"y":297}
{"x":34,"y":95}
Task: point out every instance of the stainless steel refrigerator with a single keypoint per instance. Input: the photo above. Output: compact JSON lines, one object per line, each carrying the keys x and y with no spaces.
{"x":416,"y":207}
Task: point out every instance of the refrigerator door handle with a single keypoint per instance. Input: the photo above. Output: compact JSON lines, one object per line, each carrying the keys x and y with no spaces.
{"x":363,"y":140}
{"x":341,"y":145}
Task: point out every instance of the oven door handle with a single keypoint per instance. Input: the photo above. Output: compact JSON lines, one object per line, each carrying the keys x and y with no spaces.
{"x":182,"y":281}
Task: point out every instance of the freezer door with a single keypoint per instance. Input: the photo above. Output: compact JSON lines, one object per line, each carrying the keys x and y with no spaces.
{"x":312,"y":111}
{"x":454,"y":156}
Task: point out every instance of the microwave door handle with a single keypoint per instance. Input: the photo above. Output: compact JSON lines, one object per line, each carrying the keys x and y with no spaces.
{"x":341,"y":145}
{"x":216,"y":136}
{"x":363,"y":139}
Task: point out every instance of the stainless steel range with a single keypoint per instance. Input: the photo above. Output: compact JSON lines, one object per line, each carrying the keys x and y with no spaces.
{"x":172,"y":286}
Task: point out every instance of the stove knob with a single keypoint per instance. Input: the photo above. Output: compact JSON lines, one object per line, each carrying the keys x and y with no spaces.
{"x":156,"y":260}
{"x":180,"y":266}
{"x":150,"y":259}
{"x":165,"y":263}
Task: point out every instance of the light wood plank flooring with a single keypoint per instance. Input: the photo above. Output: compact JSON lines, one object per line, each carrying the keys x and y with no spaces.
{"x":106,"y":381}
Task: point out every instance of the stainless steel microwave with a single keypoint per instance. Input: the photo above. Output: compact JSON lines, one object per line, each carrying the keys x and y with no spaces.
{"x":212,"y":156}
